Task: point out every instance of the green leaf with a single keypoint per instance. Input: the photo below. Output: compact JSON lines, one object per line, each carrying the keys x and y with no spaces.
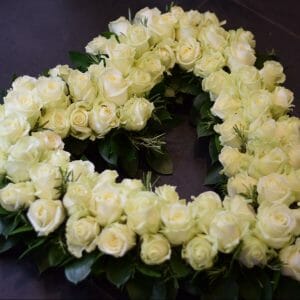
{"x":4,"y":212}
{"x":56,"y":254}
{"x":148,"y":270}
{"x":214,"y":148}
{"x":7,"y":244}
{"x":34,"y":245}
{"x":129,"y":159}
{"x":22,"y":229}
{"x":119,"y":270}
{"x":199,"y":100}
{"x":108,"y":151}
{"x":80,"y":269}
{"x":204,"y":129}
{"x":179,"y":267}
{"x":109,"y":34}
{"x":213,"y":175}
{"x":160,"y":162}
{"x":81,"y":61}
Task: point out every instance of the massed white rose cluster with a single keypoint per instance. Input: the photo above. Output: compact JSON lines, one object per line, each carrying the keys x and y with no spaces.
{"x":260,"y":155}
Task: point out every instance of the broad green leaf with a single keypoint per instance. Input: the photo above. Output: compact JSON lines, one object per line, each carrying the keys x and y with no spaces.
{"x":120,"y":270}
{"x":22,"y":229}
{"x":80,"y":61}
{"x":7,"y":244}
{"x":199,"y":100}
{"x":129,"y":158}
{"x":56,"y":254}
{"x":37,"y":242}
{"x":160,"y":162}
{"x":148,"y":270}
{"x":109,"y":34}
{"x":214,"y":148}
{"x":108,"y":151}
{"x":179,"y":267}
{"x":80,"y":269}
{"x":204,"y":129}
{"x":213,"y":175}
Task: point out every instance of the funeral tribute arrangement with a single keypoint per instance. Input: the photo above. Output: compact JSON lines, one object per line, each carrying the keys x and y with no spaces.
{"x":110,"y":112}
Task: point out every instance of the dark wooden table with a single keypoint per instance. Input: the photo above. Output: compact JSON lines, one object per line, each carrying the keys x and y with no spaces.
{"x":36,"y":35}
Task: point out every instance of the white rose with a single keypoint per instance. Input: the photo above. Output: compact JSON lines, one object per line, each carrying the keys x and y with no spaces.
{"x":272,"y":162}
{"x":119,"y":26}
{"x":106,"y":177}
{"x":50,"y":92}
{"x":57,"y":120}
{"x":46,"y":216}
{"x":241,"y":35}
{"x":226,"y":106}
{"x":200,"y":252}
{"x":13,"y":127}
{"x":167,"y":193}
{"x":155,"y":249}
{"x":211,"y":61}
{"x":24,"y":83}
{"x":146,"y":14}
{"x":282,"y":101}
{"x":228,"y":230}
{"x":272,"y":74}
{"x":241,"y":183}
{"x":165,"y":51}
{"x":239,"y":54}
{"x":106,"y":204}
{"x":262,"y":129}
{"x":3,"y":160}
{"x":102,"y":118}
{"x":141,"y":81}
{"x":59,"y":158}
{"x":290,"y":257}
{"x":121,"y":57}
{"x":178,"y":222}
{"x":209,"y":18}
{"x":142,"y":212}
{"x":216,"y":82}
{"x":116,"y":239}
{"x":213,"y":36}
{"x":62,"y":71}
{"x":23,"y":102}
{"x":81,"y":235}
{"x":275,"y":225}
{"x":81,"y":169}
{"x":77,"y":198}
{"x":254,"y":252}
{"x":137,"y":36}
{"x":135,"y":113}
{"x":49,"y":139}
{"x":287,"y":130}
{"x":294,"y":156}
{"x":81,"y":87}
{"x":293,"y":180}
{"x":16,"y":196}
{"x":233,"y":161}
{"x":274,"y":188}
{"x":185,"y":27}
{"x":46,"y":179}
{"x":98,"y":45}
{"x":204,"y":207}
{"x":187,"y":53}
{"x":79,"y":121}
{"x":115,"y":87}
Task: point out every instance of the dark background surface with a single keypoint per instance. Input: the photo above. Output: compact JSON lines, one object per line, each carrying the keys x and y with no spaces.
{"x":36,"y":35}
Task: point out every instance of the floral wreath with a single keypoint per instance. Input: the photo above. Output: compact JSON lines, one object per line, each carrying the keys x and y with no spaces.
{"x":114,"y":109}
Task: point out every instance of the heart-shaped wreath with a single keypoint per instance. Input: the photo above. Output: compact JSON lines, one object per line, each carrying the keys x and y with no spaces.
{"x":114,"y":108}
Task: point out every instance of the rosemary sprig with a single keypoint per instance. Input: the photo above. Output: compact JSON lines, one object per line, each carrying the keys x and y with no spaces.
{"x":240,"y":132}
{"x":155,"y":143}
{"x":66,"y":176}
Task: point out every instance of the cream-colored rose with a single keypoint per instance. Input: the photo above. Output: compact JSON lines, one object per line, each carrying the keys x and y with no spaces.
{"x":274,"y":188}
{"x":119,"y":26}
{"x":165,"y":51}
{"x":59,"y":158}
{"x":98,"y":45}
{"x":275,"y":225}
{"x":57,"y":120}
{"x":272,"y":162}
{"x":282,"y":101}
{"x":262,"y":129}
{"x":46,"y":215}
{"x":290,"y":257}
{"x":114,"y":86}
{"x":81,"y":169}
{"x":106,"y":204}
{"x":24,"y":103}
{"x":77,"y":198}
{"x":187,"y":53}
{"x":216,"y":82}
{"x":79,"y":121}
{"x":186,"y":26}
{"x":254,"y":252}
{"x":241,"y":183}
{"x":228,"y":230}
{"x":105,"y":177}
{"x":24,"y":83}
{"x":210,"y":18}
{"x":241,"y":35}
{"x":12,"y":128}
{"x":141,"y":82}
{"x":16,"y":196}
{"x":137,"y":36}
{"x":135,"y":113}
{"x":46,"y":179}
{"x":213,"y":36}
{"x":239,"y":53}
{"x":81,"y":87}
{"x":142,"y":212}
{"x":200,"y":252}
{"x":3,"y":160}
{"x":62,"y":71}
{"x":233,"y":161}
{"x":121,"y":57}
{"x":146,"y":14}
{"x":155,"y":249}
{"x":150,"y":62}
{"x":204,"y":207}
{"x":50,"y":92}
{"x":49,"y":139}
{"x":272,"y":74}
{"x":178,"y":222}
{"x":116,"y":239}
{"x":102,"y":118}
{"x":294,"y":156}
{"x":211,"y":61}
{"x":287,"y":130}
{"x":257,"y":104}
{"x":226,"y":107}
{"x":167,"y":193}
{"x":293,"y":180}
{"x":81,"y":235}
